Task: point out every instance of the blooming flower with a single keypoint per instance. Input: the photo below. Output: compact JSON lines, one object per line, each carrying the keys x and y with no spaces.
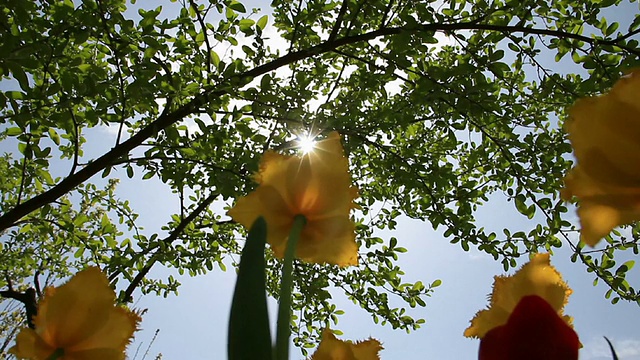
{"x":79,"y":321}
{"x":537,"y":277}
{"x":333,"y":349}
{"x":534,"y":331}
{"x":316,"y":185}
{"x":605,"y":135}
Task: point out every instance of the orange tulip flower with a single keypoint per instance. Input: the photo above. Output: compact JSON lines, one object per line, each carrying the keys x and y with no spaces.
{"x":316,"y":185}
{"x":332,"y":348}
{"x":78,"y":321}
{"x":605,"y":135}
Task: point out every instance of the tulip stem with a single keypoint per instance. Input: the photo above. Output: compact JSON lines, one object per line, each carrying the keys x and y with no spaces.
{"x":284,"y":309}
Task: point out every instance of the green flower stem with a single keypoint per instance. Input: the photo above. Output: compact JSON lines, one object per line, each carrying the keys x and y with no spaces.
{"x":284,"y":309}
{"x":56,"y":354}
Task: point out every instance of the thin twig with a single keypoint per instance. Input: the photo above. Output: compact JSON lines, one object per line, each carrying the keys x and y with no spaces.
{"x":168,"y":240}
{"x":76,"y":142}
{"x":338,"y":23}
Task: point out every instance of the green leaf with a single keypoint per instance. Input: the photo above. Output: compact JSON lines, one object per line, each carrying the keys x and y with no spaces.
{"x":262,"y":22}
{"x":611,"y":29}
{"x":215,"y":59}
{"x":249,"y":318}
{"x":265,"y":82}
{"x":497,"y":55}
{"x":246,"y":24}
{"x":13,"y":131}
{"x":499,"y":67}
{"x":622,"y":269}
{"x":19,"y":75}
{"x":237,"y":7}
{"x":53,"y":135}
{"x":230,"y":14}
{"x":200,"y":38}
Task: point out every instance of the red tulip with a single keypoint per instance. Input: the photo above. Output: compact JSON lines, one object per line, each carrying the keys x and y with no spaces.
{"x":534,"y":331}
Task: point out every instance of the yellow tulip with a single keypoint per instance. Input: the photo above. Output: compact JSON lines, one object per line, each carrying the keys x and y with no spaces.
{"x":316,"y":185}
{"x":79,"y":321}
{"x":332,"y":348}
{"x":605,"y":135}
{"x":537,"y":277}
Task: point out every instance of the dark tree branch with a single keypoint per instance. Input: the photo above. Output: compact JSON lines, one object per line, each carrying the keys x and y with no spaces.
{"x":168,"y":72}
{"x":27,"y":298}
{"x":627,"y":35}
{"x":338,"y":23}
{"x":76,"y":142}
{"x":121,"y":82}
{"x":386,"y":15}
{"x":36,"y":282}
{"x":168,"y":240}
{"x":203,"y":26}
{"x":27,"y":151}
{"x":296,"y":27}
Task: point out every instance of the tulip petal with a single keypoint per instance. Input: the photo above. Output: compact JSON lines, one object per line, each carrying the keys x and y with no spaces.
{"x":601,"y":207}
{"x":331,"y":348}
{"x":316,"y":185}
{"x":598,"y":216}
{"x":80,"y":318}
{"x":29,"y":345}
{"x":76,"y":310}
{"x":342,"y":248}
{"x":537,"y":277}
{"x":268,"y":202}
{"x":114,"y":333}
{"x":605,"y":135}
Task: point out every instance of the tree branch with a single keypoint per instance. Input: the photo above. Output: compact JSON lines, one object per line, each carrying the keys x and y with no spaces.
{"x":27,"y":298}
{"x":203,"y":26}
{"x":169,"y":239}
{"x":338,"y":23}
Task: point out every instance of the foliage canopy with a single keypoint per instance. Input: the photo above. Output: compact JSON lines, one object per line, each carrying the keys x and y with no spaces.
{"x":442,"y":106}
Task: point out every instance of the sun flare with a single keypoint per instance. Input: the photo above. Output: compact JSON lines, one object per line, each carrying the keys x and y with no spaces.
{"x":306,"y":143}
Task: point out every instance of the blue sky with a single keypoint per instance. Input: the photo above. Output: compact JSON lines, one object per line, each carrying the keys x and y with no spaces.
{"x":193,"y":325}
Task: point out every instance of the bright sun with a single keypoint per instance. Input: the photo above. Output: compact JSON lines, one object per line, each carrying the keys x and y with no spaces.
{"x":306,"y":143}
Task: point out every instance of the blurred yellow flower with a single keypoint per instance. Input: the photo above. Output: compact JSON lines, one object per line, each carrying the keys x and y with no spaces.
{"x":605,"y":135}
{"x":333,"y":349}
{"x":537,"y":277}
{"x":316,"y":185}
{"x":79,"y":321}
